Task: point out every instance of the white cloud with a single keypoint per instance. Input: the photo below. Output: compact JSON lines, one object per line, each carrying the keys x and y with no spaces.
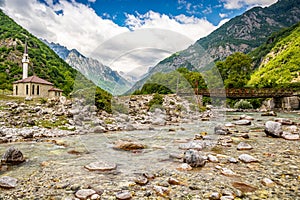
{"x":237,"y":4}
{"x":223,"y":15}
{"x":78,"y":27}
{"x":92,"y":1}
{"x":192,"y":27}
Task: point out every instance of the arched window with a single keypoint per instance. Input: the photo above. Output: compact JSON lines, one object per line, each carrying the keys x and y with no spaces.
{"x":16,"y":90}
{"x":27,"y":89}
{"x":38,"y":90}
{"x":32,"y":89}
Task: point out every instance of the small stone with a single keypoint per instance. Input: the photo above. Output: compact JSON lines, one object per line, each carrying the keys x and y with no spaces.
{"x":184,"y":167}
{"x":161,"y":191}
{"x":141,"y":180}
{"x":246,"y":117}
{"x":243,"y":122}
{"x":173,"y":181}
{"x":247,"y":158}
{"x":215,"y":196}
{"x":243,"y":187}
{"x":101,"y":166}
{"x":244,"y":146}
{"x":227,"y":172}
{"x":213,"y":159}
{"x":289,"y":136}
{"x":232,"y":160}
{"x":268,"y":182}
{"x":84,"y":193}
{"x":128,"y":145}
{"x":8,"y":182}
{"x":124,"y":195}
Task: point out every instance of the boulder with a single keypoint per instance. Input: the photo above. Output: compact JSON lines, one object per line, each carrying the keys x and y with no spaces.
{"x":193,"y":158}
{"x":273,"y":129}
{"x":8,"y":182}
{"x":12,"y":156}
{"x":128,"y":145}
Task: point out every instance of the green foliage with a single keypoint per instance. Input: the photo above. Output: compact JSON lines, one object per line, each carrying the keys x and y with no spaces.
{"x":281,"y":66}
{"x":156,"y":100}
{"x":235,"y":70}
{"x":181,"y":80}
{"x":243,"y":104}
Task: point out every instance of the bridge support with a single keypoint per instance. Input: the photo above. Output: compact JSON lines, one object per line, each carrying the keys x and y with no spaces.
{"x":288,"y":103}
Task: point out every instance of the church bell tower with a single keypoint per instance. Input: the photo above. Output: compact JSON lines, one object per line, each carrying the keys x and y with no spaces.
{"x":25,"y":61}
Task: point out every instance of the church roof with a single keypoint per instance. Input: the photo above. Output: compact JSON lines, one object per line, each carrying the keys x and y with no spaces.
{"x":34,"y":79}
{"x":55,"y":89}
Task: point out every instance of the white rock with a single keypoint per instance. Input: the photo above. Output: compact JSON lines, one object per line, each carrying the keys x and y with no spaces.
{"x":247,"y":158}
{"x":84,"y":193}
{"x":8,"y":182}
{"x":101,"y":166}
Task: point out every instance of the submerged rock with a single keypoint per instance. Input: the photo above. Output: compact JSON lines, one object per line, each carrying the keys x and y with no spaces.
{"x":101,"y":166}
{"x":13,"y":156}
{"x":128,"y":145}
{"x":243,"y":122}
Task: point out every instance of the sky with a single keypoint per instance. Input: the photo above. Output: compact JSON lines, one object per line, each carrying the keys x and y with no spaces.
{"x":140,"y":27}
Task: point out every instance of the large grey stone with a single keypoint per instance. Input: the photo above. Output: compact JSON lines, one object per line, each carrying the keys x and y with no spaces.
{"x":193,"y":158}
{"x":13,"y":156}
{"x":273,"y":129}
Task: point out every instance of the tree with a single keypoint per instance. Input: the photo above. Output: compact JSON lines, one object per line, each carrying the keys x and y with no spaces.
{"x":235,"y":70}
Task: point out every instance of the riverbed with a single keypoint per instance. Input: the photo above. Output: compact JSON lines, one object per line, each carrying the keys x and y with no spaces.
{"x":54,"y":167}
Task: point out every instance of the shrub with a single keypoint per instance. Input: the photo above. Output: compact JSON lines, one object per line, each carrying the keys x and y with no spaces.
{"x":243,"y":104}
{"x":156,"y":100}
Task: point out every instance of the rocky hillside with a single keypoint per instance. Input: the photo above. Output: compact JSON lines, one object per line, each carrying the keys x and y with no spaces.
{"x":43,"y":61}
{"x":281,"y":65}
{"x":249,"y":30}
{"x":243,"y":33}
{"x":101,"y":75}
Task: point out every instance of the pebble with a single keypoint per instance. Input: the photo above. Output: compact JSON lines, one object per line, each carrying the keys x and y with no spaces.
{"x":232,"y":160}
{"x":173,"y":181}
{"x":141,"y":180}
{"x":8,"y":182}
{"x":244,"y":146}
{"x":101,"y":166}
{"x":243,"y":122}
{"x":227,"y":172}
{"x":268,"y":182}
{"x":289,"y":136}
{"x":246,"y":158}
{"x":84,"y":193}
{"x":124,"y":195}
{"x":161,"y":191}
{"x":212,"y":158}
{"x":184,"y":167}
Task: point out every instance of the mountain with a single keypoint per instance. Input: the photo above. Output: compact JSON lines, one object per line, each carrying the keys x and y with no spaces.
{"x":103,"y":76}
{"x":43,"y":61}
{"x":243,"y":33}
{"x":281,"y":65}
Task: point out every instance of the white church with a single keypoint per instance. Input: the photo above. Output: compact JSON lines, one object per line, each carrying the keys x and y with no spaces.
{"x":33,"y":86}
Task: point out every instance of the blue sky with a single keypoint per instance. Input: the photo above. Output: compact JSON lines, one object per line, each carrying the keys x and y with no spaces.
{"x":89,"y":25}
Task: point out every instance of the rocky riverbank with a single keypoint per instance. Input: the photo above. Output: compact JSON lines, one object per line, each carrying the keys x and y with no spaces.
{"x":204,"y":156}
{"x":27,"y":120}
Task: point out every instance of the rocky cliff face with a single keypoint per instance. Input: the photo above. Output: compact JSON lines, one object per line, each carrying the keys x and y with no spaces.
{"x":100,"y":74}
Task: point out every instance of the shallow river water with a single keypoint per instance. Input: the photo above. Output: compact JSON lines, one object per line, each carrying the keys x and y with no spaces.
{"x":55,"y":166}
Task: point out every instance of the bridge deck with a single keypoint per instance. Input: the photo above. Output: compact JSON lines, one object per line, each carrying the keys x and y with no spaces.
{"x":246,"y":93}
